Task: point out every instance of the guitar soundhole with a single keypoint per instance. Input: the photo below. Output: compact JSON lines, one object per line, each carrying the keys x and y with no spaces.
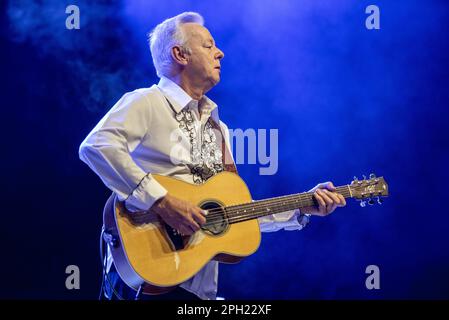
{"x":216,"y":221}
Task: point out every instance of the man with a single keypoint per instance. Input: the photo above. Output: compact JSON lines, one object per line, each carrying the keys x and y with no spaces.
{"x":139,"y":134}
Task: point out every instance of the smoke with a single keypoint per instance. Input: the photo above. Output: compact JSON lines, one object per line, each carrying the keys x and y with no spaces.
{"x":98,"y":58}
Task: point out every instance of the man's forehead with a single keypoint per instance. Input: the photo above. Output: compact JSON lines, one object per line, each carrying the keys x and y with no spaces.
{"x":198,"y":31}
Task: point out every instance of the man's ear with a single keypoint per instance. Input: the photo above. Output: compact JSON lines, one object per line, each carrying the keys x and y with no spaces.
{"x":179,"y":55}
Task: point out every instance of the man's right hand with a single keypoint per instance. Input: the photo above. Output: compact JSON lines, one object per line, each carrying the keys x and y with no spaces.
{"x":179,"y":214}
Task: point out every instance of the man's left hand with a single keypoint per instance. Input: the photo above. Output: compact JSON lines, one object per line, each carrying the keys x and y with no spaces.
{"x":328,"y":200}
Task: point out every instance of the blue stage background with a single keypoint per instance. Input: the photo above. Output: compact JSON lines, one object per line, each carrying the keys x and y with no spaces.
{"x":346,"y":101}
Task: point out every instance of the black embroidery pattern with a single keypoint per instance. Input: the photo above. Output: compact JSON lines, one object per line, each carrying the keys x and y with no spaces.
{"x":205,"y":154}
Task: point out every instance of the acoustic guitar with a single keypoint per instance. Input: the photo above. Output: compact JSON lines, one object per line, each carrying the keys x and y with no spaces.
{"x":151,"y":256}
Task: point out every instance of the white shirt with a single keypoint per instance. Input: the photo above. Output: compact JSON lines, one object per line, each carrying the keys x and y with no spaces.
{"x":139,"y":136}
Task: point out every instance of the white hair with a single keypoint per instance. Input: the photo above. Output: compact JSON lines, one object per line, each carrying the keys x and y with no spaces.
{"x":166,"y":35}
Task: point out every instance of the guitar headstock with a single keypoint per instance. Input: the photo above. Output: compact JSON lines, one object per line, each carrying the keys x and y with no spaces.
{"x":369,"y":189}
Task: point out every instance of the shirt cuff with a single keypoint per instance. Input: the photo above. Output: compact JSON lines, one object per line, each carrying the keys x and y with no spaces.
{"x":145,"y":194}
{"x":286,"y":220}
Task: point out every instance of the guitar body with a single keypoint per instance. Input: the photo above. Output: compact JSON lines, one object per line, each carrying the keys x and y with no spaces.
{"x":147,"y":253}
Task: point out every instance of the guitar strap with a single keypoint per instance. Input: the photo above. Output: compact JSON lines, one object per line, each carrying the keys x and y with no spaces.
{"x":228,"y":162}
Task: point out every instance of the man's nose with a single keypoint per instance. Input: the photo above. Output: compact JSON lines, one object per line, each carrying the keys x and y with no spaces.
{"x":220,"y":54}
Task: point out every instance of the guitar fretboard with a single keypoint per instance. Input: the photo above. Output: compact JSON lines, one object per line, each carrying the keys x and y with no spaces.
{"x":260,"y":208}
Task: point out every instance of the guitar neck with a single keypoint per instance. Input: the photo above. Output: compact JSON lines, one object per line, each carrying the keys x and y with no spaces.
{"x":261,"y":208}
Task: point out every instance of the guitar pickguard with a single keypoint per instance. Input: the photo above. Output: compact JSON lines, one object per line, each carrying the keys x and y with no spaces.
{"x":179,"y":242}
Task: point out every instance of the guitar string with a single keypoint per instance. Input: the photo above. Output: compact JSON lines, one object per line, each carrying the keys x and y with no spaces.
{"x":262,"y":211}
{"x":238,"y":211}
{"x":344,"y":190}
{"x":234,"y":212}
{"x":277,"y":208}
{"x":289,"y":199}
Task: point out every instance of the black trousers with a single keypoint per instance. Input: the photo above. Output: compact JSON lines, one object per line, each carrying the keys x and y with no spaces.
{"x":113,"y":280}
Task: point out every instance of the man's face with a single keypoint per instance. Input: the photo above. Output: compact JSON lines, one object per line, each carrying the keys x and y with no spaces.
{"x":204,"y":61}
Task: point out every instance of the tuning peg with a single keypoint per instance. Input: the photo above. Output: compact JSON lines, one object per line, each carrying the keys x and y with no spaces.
{"x":356,"y":179}
{"x":362,"y":203}
{"x":372,"y":176}
{"x":370,"y":202}
{"x":364,"y":177}
{"x":379,"y":200}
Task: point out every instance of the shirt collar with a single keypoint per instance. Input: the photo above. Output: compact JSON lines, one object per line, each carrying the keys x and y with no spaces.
{"x":180,"y":99}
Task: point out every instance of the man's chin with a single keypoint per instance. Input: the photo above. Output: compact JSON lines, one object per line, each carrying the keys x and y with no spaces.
{"x":215,"y":80}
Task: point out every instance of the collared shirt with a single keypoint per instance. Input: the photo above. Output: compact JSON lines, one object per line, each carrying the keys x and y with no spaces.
{"x":141,"y":135}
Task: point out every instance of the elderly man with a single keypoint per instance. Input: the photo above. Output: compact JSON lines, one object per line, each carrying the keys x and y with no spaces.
{"x":136,"y":138}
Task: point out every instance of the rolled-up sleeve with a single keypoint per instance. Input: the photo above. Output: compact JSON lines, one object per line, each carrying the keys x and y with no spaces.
{"x":107,"y":151}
